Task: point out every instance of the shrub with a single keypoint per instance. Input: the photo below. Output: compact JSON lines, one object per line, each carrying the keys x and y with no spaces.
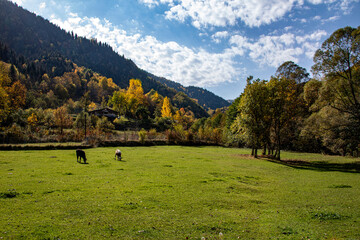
{"x":103,"y":124}
{"x":142,"y":135}
{"x":180,"y":133}
{"x":152,"y":134}
{"x":121,"y":123}
{"x":15,"y":134}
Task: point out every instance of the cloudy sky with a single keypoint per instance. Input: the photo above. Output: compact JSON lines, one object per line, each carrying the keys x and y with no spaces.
{"x":214,"y":44}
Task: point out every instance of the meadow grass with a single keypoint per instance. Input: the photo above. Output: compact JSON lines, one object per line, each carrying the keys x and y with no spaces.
{"x":174,"y":192}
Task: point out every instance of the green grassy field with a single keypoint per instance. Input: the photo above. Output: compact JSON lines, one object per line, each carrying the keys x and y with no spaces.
{"x":174,"y":192}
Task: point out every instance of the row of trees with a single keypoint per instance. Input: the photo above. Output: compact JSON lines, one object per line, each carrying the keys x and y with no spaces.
{"x":291,"y":111}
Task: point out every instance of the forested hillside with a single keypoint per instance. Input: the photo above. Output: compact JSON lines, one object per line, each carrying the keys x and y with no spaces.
{"x":37,"y":38}
{"x":204,"y":97}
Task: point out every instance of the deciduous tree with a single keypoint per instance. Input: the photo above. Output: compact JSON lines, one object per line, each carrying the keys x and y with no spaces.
{"x":283,"y":104}
{"x":338,"y":60}
{"x":337,"y":63}
{"x":62,"y":119}
{"x":291,"y":70}
{"x":119,"y":102}
{"x":166,"y":110}
{"x":254,"y":111}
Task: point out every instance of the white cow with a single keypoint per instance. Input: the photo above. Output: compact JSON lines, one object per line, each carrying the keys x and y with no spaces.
{"x":118,"y":154}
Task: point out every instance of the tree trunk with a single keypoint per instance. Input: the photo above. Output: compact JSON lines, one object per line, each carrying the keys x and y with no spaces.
{"x":278,"y":148}
{"x":256,"y":153}
{"x":264,"y":151}
{"x":344,"y":152}
{"x":85,"y":128}
{"x":278,"y":155}
{"x":269,"y":150}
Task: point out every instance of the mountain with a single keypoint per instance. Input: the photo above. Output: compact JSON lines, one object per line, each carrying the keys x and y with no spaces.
{"x":36,"y":38}
{"x":205,"y":98}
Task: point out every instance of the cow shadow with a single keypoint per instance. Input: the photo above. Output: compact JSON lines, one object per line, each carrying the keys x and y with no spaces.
{"x":83,"y":162}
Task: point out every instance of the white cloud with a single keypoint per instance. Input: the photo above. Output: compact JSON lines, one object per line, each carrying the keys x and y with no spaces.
{"x":42,"y":5}
{"x":316,"y":1}
{"x":253,"y":13}
{"x":150,"y":3}
{"x":331,"y":19}
{"x":222,"y":13}
{"x":218,"y":36}
{"x":315,"y":36}
{"x":153,"y":3}
{"x":167,"y":59}
{"x":274,"y":50}
{"x":344,"y":5}
{"x":18,"y":2}
{"x":324,"y":21}
{"x":288,"y":28}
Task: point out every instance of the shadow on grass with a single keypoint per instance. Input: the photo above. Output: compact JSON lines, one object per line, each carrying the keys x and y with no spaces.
{"x":353,"y":167}
{"x":83,"y":162}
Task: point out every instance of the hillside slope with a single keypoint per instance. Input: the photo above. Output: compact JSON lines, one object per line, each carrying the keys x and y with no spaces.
{"x":35,"y":37}
{"x":205,"y":98}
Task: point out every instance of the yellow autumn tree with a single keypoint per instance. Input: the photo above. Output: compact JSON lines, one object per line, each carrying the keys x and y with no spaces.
{"x":62,"y":118}
{"x":4,"y":103}
{"x":92,"y":106}
{"x":12,"y":94}
{"x":177,"y":117}
{"x":32,"y":120}
{"x":107,"y":86}
{"x":17,"y":94}
{"x":135,"y":91}
{"x":5,"y":81}
{"x":166,"y":108}
{"x":135,"y":95}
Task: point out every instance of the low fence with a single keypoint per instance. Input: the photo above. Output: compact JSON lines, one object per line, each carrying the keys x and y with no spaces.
{"x":108,"y":143}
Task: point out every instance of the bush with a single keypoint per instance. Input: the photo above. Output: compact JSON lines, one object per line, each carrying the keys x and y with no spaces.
{"x":121,"y":122}
{"x":152,"y":134}
{"x":180,"y":133}
{"x":15,"y":134}
{"x":142,"y":135}
{"x":163,"y":124}
{"x":170,"y":135}
{"x":103,"y":124}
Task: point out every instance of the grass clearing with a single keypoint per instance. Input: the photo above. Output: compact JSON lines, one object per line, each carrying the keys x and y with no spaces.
{"x":175,"y":192}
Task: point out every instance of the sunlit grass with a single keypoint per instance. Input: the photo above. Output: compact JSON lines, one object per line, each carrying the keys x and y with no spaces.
{"x":174,"y":192}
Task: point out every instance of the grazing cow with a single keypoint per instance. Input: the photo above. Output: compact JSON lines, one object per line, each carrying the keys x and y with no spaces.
{"x":118,"y":154}
{"x":80,"y":154}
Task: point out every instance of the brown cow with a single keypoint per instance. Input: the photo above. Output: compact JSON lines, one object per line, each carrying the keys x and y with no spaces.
{"x":80,"y":154}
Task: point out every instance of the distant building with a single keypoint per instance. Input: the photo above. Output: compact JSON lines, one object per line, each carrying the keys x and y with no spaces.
{"x":107,"y":112}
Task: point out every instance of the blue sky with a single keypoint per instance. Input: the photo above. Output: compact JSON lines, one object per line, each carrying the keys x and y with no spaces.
{"x":214,"y":44}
